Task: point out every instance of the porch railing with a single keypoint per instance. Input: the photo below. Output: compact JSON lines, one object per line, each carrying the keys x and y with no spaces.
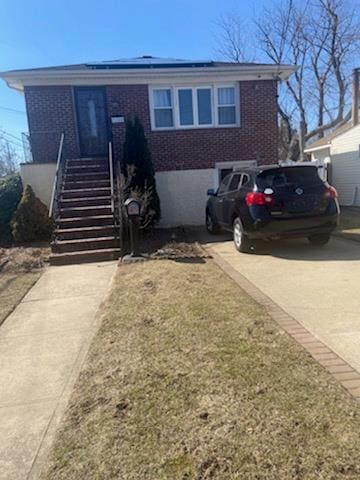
{"x":116,"y":185}
{"x":57,"y":179}
{"x":111,"y":169}
{"x":25,"y":137}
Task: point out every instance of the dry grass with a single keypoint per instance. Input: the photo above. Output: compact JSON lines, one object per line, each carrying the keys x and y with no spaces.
{"x":20,"y":268}
{"x":23,"y":259}
{"x":189,"y":379}
{"x":350,"y":223}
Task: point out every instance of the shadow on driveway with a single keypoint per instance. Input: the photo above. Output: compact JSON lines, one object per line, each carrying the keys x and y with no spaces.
{"x":337,"y":249}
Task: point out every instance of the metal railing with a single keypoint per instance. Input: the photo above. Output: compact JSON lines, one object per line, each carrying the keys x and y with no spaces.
{"x":57,"y":176}
{"x":25,"y":137}
{"x":111,"y":169}
{"x":116,"y":188}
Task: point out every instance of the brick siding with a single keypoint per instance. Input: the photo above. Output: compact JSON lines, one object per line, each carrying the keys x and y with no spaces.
{"x":51,"y":108}
{"x":50,"y":112}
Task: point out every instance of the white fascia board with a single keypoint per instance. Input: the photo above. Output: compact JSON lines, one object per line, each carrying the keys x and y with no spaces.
{"x":21,"y":78}
{"x":316,"y":149}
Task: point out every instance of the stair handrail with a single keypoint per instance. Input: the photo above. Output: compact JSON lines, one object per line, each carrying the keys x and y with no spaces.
{"x":116,"y":194}
{"x":57,"y":175}
{"x":111,"y":168}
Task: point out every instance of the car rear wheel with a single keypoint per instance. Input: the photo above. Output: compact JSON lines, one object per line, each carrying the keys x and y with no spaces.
{"x":211,"y":226}
{"x":320,"y":239}
{"x":241,"y":241}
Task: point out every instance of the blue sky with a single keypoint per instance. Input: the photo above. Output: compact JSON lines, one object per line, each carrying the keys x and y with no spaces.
{"x":53,"y":32}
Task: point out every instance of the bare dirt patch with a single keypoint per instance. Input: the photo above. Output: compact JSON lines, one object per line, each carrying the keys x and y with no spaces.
{"x":189,"y":379}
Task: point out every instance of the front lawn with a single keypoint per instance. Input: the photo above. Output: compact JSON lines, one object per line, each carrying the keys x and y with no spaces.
{"x":20,"y":268}
{"x":189,"y":379}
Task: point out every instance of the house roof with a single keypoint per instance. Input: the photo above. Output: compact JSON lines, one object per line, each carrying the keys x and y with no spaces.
{"x":325,"y":142}
{"x":143,"y":70}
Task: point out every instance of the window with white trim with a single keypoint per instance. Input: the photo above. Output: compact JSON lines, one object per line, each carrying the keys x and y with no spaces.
{"x":204,"y":104}
{"x":194,"y":107}
{"x":186,"y":108}
{"x":226,"y":105}
{"x":163,"y":108}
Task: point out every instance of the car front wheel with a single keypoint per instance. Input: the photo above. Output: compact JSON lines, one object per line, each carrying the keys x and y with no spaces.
{"x":320,"y":239}
{"x":211,"y":226}
{"x":241,"y":241}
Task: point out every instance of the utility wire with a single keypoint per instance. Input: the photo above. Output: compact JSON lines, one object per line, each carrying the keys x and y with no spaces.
{"x":4,"y":132}
{"x":12,"y":142}
{"x":13,"y":110}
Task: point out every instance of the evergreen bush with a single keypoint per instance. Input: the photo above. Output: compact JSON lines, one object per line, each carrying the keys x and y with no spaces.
{"x":139,"y":172}
{"x":31,"y":222}
{"x":10,"y":196}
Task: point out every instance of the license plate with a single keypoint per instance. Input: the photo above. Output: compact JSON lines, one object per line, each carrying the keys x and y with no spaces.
{"x":301,"y":205}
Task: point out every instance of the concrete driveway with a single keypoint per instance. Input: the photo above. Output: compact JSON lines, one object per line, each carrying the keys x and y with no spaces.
{"x":318,"y":286}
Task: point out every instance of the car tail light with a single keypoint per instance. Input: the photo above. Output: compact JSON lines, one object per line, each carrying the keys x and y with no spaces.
{"x":259,"y":198}
{"x":331,"y":192}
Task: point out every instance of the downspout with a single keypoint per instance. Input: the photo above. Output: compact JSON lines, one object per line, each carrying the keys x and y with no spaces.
{"x":355,"y":98}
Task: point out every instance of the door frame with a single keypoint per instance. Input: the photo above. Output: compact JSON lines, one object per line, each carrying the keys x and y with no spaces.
{"x":90,"y":88}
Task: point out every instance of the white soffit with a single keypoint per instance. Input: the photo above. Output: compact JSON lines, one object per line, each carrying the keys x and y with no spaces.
{"x":42,"y":77}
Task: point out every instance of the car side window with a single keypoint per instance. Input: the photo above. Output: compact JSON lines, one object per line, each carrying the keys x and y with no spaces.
{"x":223,"y":185}
{"x":245,"y":179}
{"x":234,"y":182}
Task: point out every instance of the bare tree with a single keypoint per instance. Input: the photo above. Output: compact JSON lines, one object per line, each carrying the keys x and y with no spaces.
{"x":8,"y":158}
{"x":321,"y":37}
{"x":232,"y":39}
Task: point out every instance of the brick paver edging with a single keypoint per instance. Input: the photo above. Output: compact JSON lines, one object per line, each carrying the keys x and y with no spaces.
{"x":344,"y":373}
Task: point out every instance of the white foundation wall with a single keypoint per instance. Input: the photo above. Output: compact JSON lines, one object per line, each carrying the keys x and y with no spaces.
{"x":183,"y":196}
{"x":182,"y":192}
{"x":40,"y":176}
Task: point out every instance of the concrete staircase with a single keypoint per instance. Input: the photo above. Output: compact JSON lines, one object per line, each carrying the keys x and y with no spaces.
{"x":85,"y":229}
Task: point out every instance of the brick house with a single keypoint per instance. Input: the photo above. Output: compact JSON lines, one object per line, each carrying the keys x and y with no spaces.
{"x":201,"y":119}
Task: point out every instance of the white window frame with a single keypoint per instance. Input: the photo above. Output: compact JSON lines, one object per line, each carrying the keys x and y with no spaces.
{"x":152,"y":107}
{"x":194,"y":88}
{"x":177,"y":108}
{"x":196,"y":123}
{"x":237,"y":105}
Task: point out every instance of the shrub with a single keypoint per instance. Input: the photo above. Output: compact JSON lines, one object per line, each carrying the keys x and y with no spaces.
{"x":10,"y":195}
{"x":31,"y":222}
{"x":139,"y":172}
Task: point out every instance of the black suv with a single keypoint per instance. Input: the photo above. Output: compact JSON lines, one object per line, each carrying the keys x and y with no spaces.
{"x":271,"y":202}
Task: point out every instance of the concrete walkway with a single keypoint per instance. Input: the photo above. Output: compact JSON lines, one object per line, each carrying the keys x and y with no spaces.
{"x":319,"y":287}
{"x":42,"y":345}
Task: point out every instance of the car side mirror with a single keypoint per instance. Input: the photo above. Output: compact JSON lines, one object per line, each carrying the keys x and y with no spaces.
{"x":211,"y":192}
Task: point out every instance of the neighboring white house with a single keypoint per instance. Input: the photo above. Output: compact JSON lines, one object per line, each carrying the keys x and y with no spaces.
{"x":340,"y":150}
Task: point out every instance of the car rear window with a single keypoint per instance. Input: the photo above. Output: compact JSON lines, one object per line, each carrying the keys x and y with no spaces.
{"x":282,"y":177}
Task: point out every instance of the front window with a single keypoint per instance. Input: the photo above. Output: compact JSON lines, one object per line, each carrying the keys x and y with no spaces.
{"x":163,"y":109}
{"x":226,"y":105}
{"x":194,"y":107}
{"x":186,"y":111}
{"x":204,"y":106}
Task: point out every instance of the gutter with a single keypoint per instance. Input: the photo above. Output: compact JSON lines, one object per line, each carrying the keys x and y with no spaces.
{"x":316,"y":149}
{"x":17,"y":79}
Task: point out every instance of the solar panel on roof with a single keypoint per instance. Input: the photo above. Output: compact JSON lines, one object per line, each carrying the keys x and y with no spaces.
{"x":147,"y":61}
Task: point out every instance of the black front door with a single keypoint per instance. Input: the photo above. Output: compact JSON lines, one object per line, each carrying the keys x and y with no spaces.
{"x":92,"y":121}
